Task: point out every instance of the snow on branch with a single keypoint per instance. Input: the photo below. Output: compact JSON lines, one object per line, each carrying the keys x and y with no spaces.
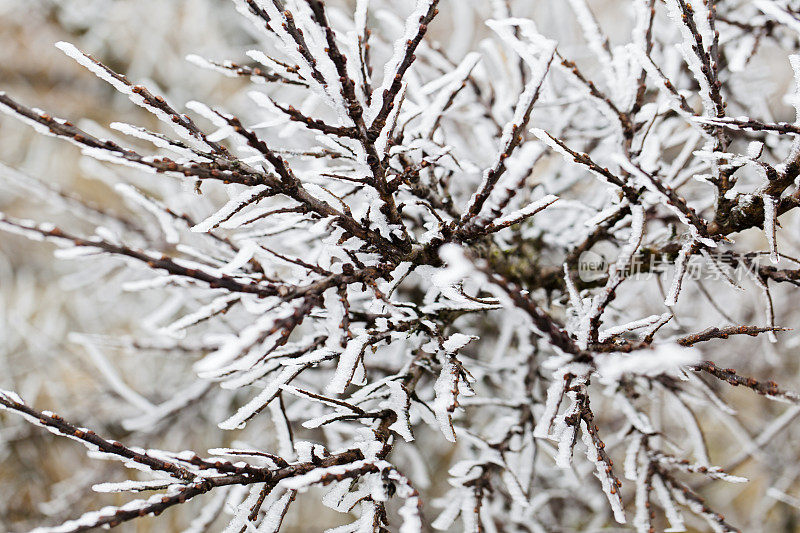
{"x":395,"y":243}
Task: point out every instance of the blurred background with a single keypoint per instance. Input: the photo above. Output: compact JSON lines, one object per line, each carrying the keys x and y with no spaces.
{"x":45,"y":479}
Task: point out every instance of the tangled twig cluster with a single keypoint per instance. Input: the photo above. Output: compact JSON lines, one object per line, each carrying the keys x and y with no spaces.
{"x":403,"y":250}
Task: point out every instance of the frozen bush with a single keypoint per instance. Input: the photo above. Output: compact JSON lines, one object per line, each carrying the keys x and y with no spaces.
{"x":494,"y":251}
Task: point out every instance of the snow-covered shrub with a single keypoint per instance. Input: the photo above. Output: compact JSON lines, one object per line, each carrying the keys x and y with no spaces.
{"x":484,"y":256}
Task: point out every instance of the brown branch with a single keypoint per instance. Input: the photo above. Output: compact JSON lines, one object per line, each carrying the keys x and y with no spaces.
{"x":724,"y":333}
{"x":768,"y":388}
